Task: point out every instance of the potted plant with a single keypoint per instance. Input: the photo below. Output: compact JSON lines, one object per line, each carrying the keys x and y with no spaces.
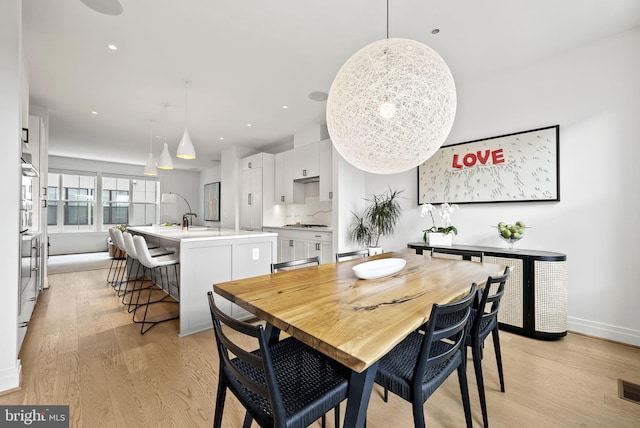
{"x":439,"y":235}
{"x":378,"y":219}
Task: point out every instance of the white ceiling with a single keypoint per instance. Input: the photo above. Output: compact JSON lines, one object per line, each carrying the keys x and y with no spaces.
{"x":248,"y":58}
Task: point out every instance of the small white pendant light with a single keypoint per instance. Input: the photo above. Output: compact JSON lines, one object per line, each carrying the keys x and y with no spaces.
{"x":150,"y":168}
{"x":185,"y":148}
{"x":165,"y":161}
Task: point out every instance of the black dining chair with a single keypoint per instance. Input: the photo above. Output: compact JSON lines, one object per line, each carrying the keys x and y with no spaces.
{"x":294,"y":264}
{"x":287,"y":384}
{"x":417,"y":366}
{"x":352,"y":254}
{"x":484,"y":321}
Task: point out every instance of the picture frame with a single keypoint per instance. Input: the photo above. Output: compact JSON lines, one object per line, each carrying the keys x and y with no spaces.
{"x":518,"y":167}
{"x":212,"y":201}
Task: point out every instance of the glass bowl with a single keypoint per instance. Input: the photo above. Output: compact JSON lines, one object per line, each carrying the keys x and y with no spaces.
{"x":510,"y":241}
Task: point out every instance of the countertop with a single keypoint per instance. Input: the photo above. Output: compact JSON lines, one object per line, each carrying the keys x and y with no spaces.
{"x":310,"y":229}
{"x":196,"y":233}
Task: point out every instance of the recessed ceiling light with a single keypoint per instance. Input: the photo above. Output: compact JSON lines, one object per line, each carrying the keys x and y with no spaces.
{"x":435,"y":31}
{"x":112,"y":47}
{"x":94,"y":113}
{"x":285,"y":107}
{"x":318,"y":96}
{"x":222,"y":138}
{"x":248,"y":124}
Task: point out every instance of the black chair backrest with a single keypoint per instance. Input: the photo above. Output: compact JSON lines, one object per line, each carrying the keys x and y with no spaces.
{"x":236,"y":359}
{"x":487,"y":298}
{"x":350,"y":254}
{"x":444,"y":333}
{"x":295,"y":263}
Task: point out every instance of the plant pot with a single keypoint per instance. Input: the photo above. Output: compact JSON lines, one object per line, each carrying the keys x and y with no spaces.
{"x":375,"y":250}
{"x":439,"y":239}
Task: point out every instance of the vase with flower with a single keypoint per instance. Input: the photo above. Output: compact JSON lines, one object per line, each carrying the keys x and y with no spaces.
{"x":439,"y":235}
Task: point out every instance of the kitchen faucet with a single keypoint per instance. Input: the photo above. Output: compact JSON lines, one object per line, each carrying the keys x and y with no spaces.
{"x":190,"y":213}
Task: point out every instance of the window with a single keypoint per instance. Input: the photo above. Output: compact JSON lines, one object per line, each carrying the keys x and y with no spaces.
{"x":74,"y":199}
{"x":145,"y":201}
{"x":52,"y":199}
{"x":128,"y":201}
{"x":115,"y":201}
{"x":71,"y":199}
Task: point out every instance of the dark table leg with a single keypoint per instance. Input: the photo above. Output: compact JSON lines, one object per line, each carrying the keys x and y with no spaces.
{"x":360,"y":388}
{"x":272,"y":334}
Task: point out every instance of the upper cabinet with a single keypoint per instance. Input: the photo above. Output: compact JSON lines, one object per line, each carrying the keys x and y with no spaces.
{"x":309,"y":163}
{"x":286,"y":190}
{"x":305,"y":161}
{"x":251,"y":162}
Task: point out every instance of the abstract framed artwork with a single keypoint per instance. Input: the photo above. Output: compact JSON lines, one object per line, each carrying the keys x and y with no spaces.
{"x":518,"y":167}
{"x":212,"y":201}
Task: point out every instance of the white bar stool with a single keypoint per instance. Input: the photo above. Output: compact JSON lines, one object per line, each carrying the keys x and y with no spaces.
{"x":118,"y":268}
{"x":132,"y":255}
{"x":155,"y":266}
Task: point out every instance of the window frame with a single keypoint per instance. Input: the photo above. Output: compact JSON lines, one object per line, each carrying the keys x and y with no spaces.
{"x":98,"y":204}
{"x":62,"y":203}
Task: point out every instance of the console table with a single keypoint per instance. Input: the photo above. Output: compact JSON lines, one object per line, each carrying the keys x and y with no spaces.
{"x":535,"y":299}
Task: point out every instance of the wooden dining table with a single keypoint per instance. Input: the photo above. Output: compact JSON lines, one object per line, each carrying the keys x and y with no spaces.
{"x":356,"y":321}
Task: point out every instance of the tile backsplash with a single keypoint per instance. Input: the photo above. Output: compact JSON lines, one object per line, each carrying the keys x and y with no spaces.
{"x":313,"y":211}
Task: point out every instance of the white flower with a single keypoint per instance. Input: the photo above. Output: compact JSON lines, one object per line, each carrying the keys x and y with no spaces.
{"x":425,"y":209}
{"x":445,"y":213}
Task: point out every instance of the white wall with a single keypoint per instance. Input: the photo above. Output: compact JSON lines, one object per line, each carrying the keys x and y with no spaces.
{"x":11,"y":106}
{"x":593,"y":93}
{"x":348,"y":197}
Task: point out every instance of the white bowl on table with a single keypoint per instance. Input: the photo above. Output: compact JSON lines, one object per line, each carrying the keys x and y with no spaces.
{"x":379,"y":268}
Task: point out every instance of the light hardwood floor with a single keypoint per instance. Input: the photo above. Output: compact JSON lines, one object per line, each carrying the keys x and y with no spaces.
{"x":82,"y":349}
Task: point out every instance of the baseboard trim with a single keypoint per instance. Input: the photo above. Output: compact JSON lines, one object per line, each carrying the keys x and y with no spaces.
{"x":10,"y":378}
{"x":604,"y":331}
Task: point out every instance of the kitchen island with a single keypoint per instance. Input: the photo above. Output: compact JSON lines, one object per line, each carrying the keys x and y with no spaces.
{"x":209,"y":256}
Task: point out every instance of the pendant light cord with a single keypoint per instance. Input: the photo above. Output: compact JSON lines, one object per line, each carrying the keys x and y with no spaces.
{"x":186,"y":102}
{"x":387,"y":19}
{"x":151,"y":136}
{"x":165,"y":123}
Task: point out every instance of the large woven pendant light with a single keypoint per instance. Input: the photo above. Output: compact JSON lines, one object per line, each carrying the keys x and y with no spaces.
{"x":185,"y":148}
{"x":391,"y":105}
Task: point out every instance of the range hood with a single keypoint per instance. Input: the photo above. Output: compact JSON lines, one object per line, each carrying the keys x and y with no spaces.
{"x":315,"y":179}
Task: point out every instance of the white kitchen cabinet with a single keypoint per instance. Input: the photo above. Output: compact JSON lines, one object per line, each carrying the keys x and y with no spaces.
{"x":251,"y":162}
{"x":305,"y":161}
{"x":251,"y":200}
{"x":286,"y":190}
{"x":249,"y":259}
{"x":290,"y":248}
{"x":322,"y":249}
{"x":302,"y":163}
{"x":326,"y":170}
{"x":295,"y":243}
{"x":256,"y":189}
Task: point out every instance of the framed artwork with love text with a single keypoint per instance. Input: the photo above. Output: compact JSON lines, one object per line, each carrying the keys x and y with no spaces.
{"x":518,"y":167}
